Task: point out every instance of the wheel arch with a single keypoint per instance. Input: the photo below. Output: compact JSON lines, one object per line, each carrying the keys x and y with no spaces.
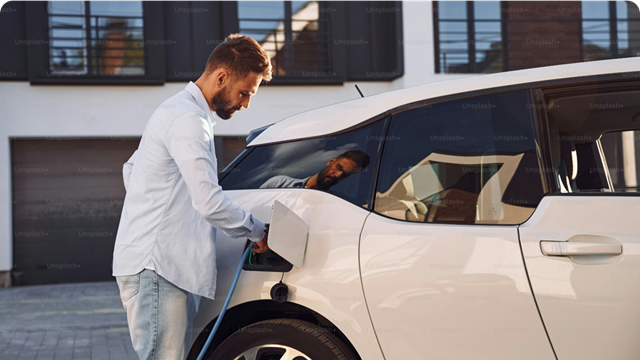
{"x":253,"y":311}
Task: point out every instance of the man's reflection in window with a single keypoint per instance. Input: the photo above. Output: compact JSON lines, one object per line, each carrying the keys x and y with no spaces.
{"x":336,"y":170}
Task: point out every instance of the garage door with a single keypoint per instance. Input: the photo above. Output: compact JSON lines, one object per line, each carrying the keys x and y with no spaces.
{"x":67,"y":199}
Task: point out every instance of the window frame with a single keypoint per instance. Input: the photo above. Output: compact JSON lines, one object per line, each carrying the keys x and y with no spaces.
{"x":611,"y":17}
{"x":38,"y":55}
{"x":540,"y":89}
{"x":610,"y":84}
{"x":471,"y":45}
{"x":334,"y":20}
{"x":537,"y":138}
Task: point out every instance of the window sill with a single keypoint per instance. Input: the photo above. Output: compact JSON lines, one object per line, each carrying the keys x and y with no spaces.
{"x":111,"y":80}
{"x":304,"y":81}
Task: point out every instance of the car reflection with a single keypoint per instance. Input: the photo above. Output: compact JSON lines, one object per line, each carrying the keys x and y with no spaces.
{"x":461,"y":188}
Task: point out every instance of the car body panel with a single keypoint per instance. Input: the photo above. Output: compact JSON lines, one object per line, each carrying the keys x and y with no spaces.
{"x":449,"y":291}
{"x":329,"y":281}
{"x":589,"y":304}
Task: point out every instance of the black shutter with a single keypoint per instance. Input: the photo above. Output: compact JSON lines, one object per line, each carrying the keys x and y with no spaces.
{"x":13,"y":41}
{"x":373,"y":40}
{"x":197,"y":28}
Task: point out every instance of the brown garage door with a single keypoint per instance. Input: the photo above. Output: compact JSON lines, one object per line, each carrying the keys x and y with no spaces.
{"x":67,"y":199}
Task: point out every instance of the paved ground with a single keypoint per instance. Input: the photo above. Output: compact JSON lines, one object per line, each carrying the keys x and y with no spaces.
{"x":64,"y":322}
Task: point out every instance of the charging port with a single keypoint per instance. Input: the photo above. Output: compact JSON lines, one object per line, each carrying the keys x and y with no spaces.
{"x":267,"y":261}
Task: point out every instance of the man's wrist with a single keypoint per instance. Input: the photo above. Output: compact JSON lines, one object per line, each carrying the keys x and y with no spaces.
{"x":259,"y":230}
{"x":266,"y":231}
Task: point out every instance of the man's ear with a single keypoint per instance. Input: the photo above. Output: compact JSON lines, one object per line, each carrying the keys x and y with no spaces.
{"x":221,"y":78}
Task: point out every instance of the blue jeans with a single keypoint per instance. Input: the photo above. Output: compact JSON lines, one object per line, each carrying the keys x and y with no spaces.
{"x":159,"y":315}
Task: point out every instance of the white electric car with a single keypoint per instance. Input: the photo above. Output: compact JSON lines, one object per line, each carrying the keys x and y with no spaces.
{"x":492,"y":217}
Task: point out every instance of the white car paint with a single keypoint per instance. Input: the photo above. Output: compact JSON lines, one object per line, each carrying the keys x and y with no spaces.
{"x":589,"y":304}
{"x":449,"y":291}
{"x":329,"y":282}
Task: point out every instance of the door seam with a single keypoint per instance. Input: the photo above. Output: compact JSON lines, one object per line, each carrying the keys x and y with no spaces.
{"x":364,"y":296}
{"x":535,"y":301}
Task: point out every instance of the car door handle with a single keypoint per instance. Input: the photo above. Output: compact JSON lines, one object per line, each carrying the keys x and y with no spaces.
{"x":574,"y":248}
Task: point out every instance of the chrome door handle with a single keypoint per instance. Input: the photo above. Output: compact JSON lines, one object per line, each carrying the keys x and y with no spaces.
{"x":573,"y":248}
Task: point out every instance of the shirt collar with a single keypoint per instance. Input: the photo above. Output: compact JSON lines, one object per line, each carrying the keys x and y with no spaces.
{"x":197,"y":94}
{"x":304,"y":181}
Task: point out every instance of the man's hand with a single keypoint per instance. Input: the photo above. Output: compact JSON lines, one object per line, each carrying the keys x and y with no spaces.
{"x":261,"y":246}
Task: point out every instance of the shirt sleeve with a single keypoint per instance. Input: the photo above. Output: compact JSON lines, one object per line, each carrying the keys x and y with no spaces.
{"x":273,"y":182}
{"x":188,"y":142}
{"x":126,"y":170}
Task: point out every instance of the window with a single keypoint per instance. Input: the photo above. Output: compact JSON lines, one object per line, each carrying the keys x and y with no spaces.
{"x":295,"y":34}
{"x":342,"y":165}
{"x":96,"y":38}
{"x":494,"y":36}
{"x":595,"y":142}
{"x":96,"y":42}
{"x":610,"y":29}
{"x":150,"y":42}
{"x":469,"y":37}
{"x":470,"y":161}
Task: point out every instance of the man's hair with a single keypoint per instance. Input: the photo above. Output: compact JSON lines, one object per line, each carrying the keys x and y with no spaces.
{"x":240,"y":55}
{"x":360,"y":158}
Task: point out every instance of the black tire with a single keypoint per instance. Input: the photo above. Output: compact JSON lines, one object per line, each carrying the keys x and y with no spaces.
{"x":274,"y":337}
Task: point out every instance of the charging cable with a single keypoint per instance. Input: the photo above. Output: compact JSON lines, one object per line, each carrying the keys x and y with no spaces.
{"x":226,"y":302}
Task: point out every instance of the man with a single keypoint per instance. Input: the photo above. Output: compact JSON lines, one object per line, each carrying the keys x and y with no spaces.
{"x":164,"y":258}
{"x":336,"y":170}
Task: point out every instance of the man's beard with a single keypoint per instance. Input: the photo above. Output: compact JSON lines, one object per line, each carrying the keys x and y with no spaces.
{"x":222,"y":103}
{"x":324,"y":183}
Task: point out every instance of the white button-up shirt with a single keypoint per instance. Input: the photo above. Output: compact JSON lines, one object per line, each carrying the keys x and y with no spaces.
{"x":173,"y":203}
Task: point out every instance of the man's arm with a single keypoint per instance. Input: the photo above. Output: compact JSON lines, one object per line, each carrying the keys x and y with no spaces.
{"x":188,"y":144}
{"x":126,"y":170}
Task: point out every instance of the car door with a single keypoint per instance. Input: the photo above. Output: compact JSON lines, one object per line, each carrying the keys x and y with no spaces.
{"x":582,"y":244}
{"x":441,"y":265}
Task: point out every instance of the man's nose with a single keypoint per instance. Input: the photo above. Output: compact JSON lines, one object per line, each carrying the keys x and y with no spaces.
{"x":245,"y":102}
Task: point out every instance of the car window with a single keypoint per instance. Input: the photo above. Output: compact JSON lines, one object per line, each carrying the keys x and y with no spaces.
{"x":622,"y":153}
{"x":342,"y":165}
{"x":594,"y":142}
{"x":469,"y":161}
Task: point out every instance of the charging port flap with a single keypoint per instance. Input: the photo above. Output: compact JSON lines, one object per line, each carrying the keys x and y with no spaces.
{"x":287,"y":234}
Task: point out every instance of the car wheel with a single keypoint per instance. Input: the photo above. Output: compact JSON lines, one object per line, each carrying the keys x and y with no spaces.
{"x":282,"y":339}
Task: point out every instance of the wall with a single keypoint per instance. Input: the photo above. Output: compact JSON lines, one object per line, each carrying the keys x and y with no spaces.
{"x":558,"y":40}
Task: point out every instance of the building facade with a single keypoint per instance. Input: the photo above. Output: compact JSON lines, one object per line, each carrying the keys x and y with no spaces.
{"x":79,"y":81}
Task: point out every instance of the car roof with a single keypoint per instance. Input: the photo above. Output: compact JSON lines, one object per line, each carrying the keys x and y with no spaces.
{"x":334,"y":118}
